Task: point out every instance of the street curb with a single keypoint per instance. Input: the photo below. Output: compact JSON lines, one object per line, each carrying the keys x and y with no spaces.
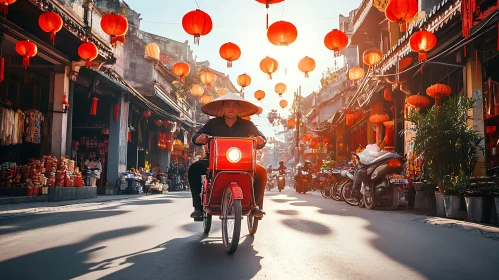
{"x":39,"y":208}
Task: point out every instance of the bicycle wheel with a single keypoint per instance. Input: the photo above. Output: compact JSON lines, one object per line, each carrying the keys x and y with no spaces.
{"x":336,"y":190}
{"x":231,"y":221}
{"x":348,"y":194}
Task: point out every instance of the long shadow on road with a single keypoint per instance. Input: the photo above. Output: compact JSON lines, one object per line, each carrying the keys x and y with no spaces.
{"x":64,"y":262}
{"x":432,"y":251}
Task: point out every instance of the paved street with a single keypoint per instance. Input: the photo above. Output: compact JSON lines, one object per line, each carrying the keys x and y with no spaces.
{"x":302,"y":237}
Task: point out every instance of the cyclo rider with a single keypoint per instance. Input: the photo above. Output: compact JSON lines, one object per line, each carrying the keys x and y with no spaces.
{"x":228,"y":111}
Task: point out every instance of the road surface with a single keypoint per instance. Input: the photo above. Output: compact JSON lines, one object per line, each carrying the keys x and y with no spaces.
{"x":302,"y":237}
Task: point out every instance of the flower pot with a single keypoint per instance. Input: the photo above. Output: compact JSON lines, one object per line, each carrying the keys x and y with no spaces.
{"x":474,"y":207}
{"x":439,"y":204}
{"x":425,"y":200}
{"x":454,"y":206}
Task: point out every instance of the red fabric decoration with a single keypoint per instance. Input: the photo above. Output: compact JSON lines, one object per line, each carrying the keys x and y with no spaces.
{"x":93,"y":110}
{"x":27,"y":50}
{"x":468,"y":7}
{"x":387,"y":94}
{"x":418,"y":101}
{"x":282,"y":33}
{"x":88,"y":51}
{"x":116,"y":112}
{"x":389,"y":136}
{"x":129,"y":137}
{"x":230,"y":52}
{"x":422,"y":42}
{"x":50,"y":22}
{"x":336,"y":41}
{"x":114,"y":25}
{"x":197,"y":23}
{"x":267,"y":3}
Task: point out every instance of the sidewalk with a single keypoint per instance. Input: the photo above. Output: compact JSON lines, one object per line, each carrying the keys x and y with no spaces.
{"x":11,"y":210}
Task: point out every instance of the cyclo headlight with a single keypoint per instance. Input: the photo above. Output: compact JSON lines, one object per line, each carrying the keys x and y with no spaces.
{"x":233,"y":155}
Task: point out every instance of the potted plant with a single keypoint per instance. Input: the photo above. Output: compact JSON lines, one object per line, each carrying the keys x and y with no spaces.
{"x":448,"y":146}
{"x":454,"y":202}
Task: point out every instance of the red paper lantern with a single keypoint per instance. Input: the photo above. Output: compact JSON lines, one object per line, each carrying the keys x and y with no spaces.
{"x":325,"y":140}
{"x":27,"y":50}
{"x":244,"y":80}
{"x":378,"y":118}
{"x":230,"y":52}
{"x":422,"y":42}
{"x":197,"y":90}
{"x":291,"y":123}
{"x":197,"y":23}
{"x":282,"y":33}
{"x":372,"y":56}
{"x":208,"y":78}
{"x":404,"y":63}
{"x":50,"y":22}
{"x":205,"y":99}
{"x":309,"y":136}
{"x":438,"y":91}
{"x":400,"y":11}
{"x":260,"y":110}
{"x":88,"y":51}
{"x":158,"y":122}
{"x":336,"y":41}
{"x":114,"y":25}
{"x":389,"y":133}
{"x":4,"y":6}
{"x":387,"y":94}
{"x":283,"y":103}
{"x":304,"y":139}
{"x":418,"y":101}
{"x":181,"y":69}
{"x":306,"y":65}
{"x":269,"y":65}
{"x":314,"y":143}
{"x":356,"y":74}
{"x":259,"y":95}
{"x":93,"y":109}
{"x":147,"y":114}
{"x":267,"y":3}
{"x":116,"y":112}
{"x":280,"y":89}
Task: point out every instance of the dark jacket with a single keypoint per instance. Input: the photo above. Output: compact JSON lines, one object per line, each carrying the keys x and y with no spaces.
{"x":218,"y":127}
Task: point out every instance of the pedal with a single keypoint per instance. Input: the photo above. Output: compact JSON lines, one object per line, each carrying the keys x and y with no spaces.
{"x":198,"y":219}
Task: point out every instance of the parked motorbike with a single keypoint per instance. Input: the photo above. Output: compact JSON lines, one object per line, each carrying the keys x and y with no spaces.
{"x":385,"y":182}
{"x":227,"y":188}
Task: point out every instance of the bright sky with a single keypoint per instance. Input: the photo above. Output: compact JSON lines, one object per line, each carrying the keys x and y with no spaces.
{"x":243,"y":23}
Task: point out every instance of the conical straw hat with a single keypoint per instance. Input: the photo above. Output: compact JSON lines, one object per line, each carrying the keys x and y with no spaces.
{"x":214,"y":108}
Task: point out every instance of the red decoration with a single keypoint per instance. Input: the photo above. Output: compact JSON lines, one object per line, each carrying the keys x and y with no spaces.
{"x":283,"y":103}
{"x":282,"y":33}
{"x":280,"y":89}
{"x":389,"y":133}
{"x":418,"y":101}
{"x":378,"y":118}
{"x":230,"y":52}
{"x":336,"y":41}
{"x":267,"y":3}
{"x":2,"y":69}
{"x":260,"y":110}
{"x":88,"y":51}
{"x":4,"y":6}
{"x":244,"y":80}
{"x":116,"y":112}
{"x":208,"y":78}
{"x":269,"y":65}
{"x":438,"y":91}
{"x":400,"y":11}
{"x":387,"y":94}
{"x":27,"y":50}
{"x":147,"y":114}
{"x":197,"y":23}
{"x":325,"y":140}
{"x":50,"y":22}
{"x":291,"y":123}
{"x":468,"y":7}
{"x":314,"y":143}
{"x":306,"y":65}
{"x":404,"y":63}
{"x":158,"y":122}
{"x":181,"y":69}
{"x":114,"y":25}
{"x":372,"y":56}
{"x":93,"y":110}
{"x":356,"y":74}
{"x":422,"y":42}
{"x":309,"y":136}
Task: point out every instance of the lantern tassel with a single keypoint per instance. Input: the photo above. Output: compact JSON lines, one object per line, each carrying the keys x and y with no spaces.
{"x":182,"y":79}
{"x":465,"y":50}
{"x":93,"y":110}
{"x":4,"y":9}
{"x":52,"y":38}
{"x":196,"y":40}
{"x":114,"y":40}
{"x":306,"y":75}
{"x":229,"y":64}
{"x":422,"y":56}
{"x":270,"y":76}
{"x":267,"y":17}
{"x":89,"y":63}
{"x":403,"y":27}
{"x":26,"y":62}
{"x":2,"y":69}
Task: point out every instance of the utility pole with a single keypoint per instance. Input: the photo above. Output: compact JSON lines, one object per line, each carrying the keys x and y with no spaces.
{"x":298,"y":121}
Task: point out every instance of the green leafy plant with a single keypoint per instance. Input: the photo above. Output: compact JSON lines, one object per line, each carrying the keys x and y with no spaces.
{"x":328,"y":164}
{"x":448,"y":145}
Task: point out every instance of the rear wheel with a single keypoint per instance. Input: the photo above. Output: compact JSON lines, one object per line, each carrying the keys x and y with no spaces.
{"x":369,"y":199}
{"x":207,"y":222}
{"x":336,"y":189}
{"x":348,"y":194}
{"x":393,"y":198}
{"x":325,"y":191}
{"x":231,"y":221}
{"x":252,"y":224}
